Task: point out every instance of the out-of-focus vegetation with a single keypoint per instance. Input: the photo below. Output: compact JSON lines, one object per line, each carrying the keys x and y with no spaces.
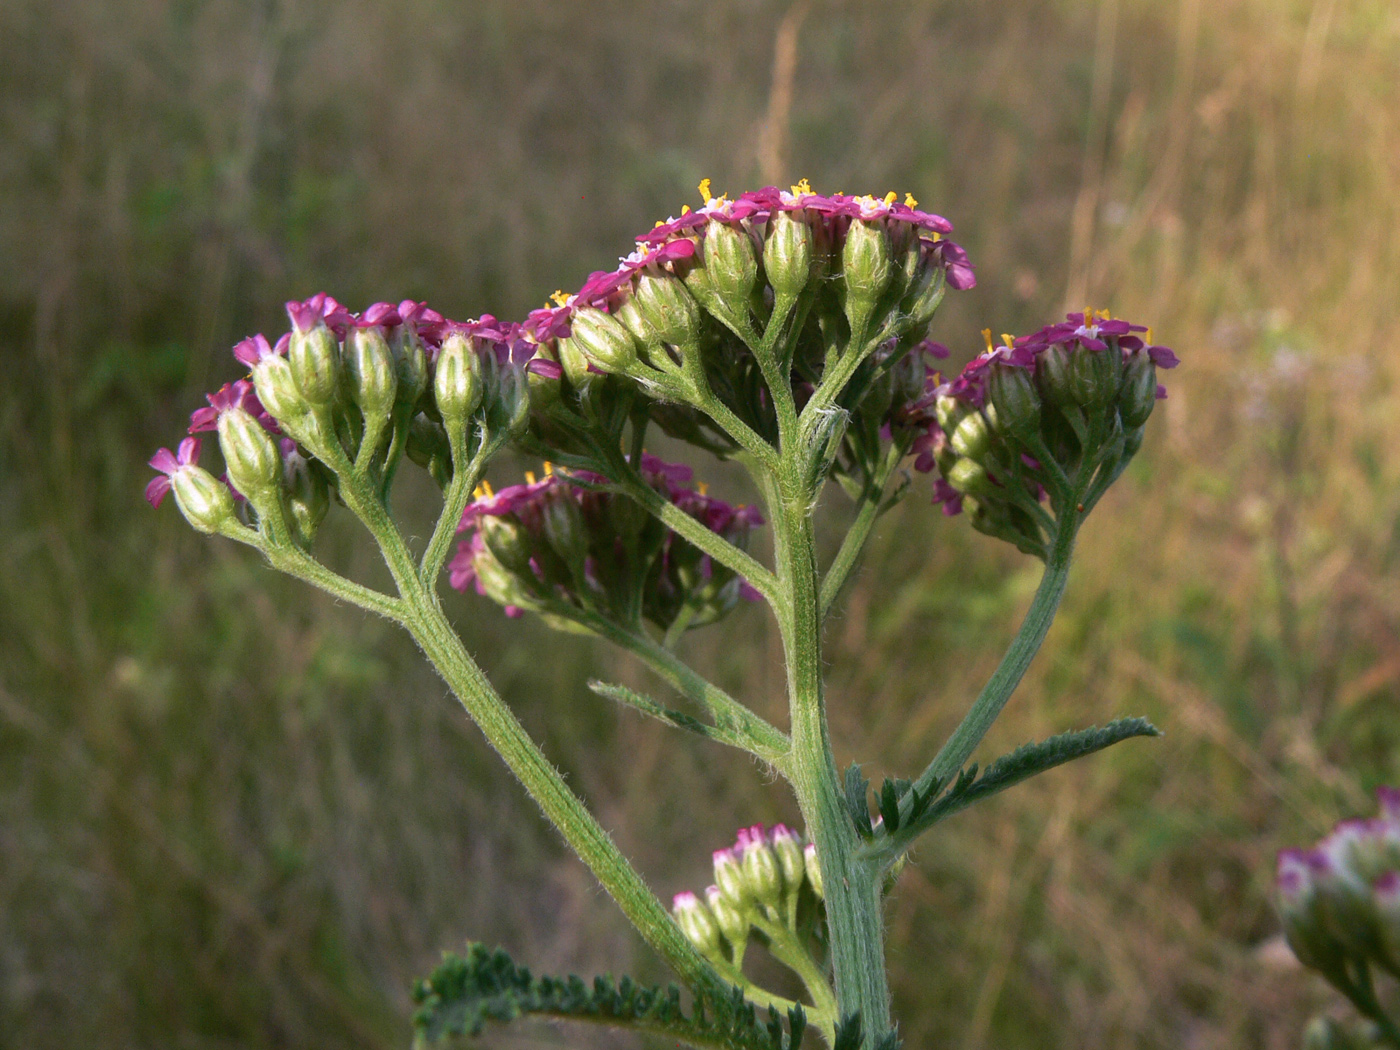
{"x":233,"y":813}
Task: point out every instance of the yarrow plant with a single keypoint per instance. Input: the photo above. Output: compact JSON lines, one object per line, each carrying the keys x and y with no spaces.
{"x":787,"y":331}
{"x":1340,"y":905}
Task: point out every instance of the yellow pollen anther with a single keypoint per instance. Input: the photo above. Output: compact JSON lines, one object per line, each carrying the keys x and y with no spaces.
{"x":702,"y":488}
{"x":483,"y":491}
{"x":802,"y":189}
{"x":685,"y":209}
{"x":1148,"y":334}
{"x":548,"y":469}
{"x":1008,"y":339}
{"x":529,"y":477}
{"x":909,"y":201}
{"x":1105,"y":315}
{"x":936,"y":236}
{"x":704,"y":189}
{"x":560,"y":299}
{"x":890,"y":198}
{"x":987,"y":338}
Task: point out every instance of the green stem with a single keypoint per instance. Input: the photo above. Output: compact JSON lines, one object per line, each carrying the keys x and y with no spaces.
{"x":854,"y":921}
{"x":762,"y":738}
{"x":969,"y":733}
{"x":853,"y":544}
{"x":466,"y":472}
{"x":431,"y":630}
{"x":765,"y":352}
{"x":765,"y":999}
{"x":789,"y":950}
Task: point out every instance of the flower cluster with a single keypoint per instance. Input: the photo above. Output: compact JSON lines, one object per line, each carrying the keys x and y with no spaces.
{"x":339,"y":389}
{"x":1057,"y":413}
{"x":759,"y":883}
{"x":564,"y":545}
{"x":1340,"y":900}
{"x":683,"y":316}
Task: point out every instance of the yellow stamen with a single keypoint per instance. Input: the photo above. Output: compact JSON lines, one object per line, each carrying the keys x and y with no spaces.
{"x":548,"y":469}
{"x":936,"y":237}
{"x":1148,"y":334}
{"x":483,"y":491}
{"x":802,"y":189}
{"x":1009,"y":340}
{"x":685,"y":209}
{"x":890,"y":198}
{"x":987,"y":338}
{"x":702,"y":488}
{"x":529,"y":477}
{"x":560,"y":299}
{"x":704,"y":189}
{"x":909,"y":201}
{"x":1105,"y":315}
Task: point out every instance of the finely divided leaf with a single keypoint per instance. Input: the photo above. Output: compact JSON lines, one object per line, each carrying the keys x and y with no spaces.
{"x":465,"y":992}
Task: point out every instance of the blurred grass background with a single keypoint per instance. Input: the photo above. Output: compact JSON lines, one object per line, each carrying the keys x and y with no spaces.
{"x":235,"y":814}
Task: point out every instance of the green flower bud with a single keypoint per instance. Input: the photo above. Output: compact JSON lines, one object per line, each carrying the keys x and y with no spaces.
{"x":251,"y":456}
{"x":731,"y":265}
{"x":1094,"y":375}
{"x":733,"y":922}
{"x":788,"y":849}
{"x":277,"y":390}
{"x":733,"y":883}
{"x":926,"y":288}
{"x":575,"y":363}
{"x":787,"y":255}
{"x":761,"y":871}
{"x":866,"y":263}
{"x":1011,"y":391}
{"x":308,"y":495}
{"x":565,"y":530}
{"x":814,"y":869}
{"x":698,"y":924}
{"x":457,"y":385}
{"x":669,"y":309}
{"x":411,"y":364}
{"x":1139,"y":394}
{"x":203,"y":499}
{"x":371,"y":378}
{"x":970,"y":477}
{"x":1052,"y":376}
{"x":950,"y":411}
{"x":972,"y":437}
{"x":509,"y":542}
{"x":427,"y":440}
{"x":314,"y":356}
{"x":510,"y":408}
{"x":601,"y":340}
{"x":500,"y":584}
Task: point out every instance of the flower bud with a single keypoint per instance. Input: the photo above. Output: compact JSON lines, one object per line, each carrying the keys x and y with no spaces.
{"x":510,"y":408}
{"x":732,"y":882}
{"x":1011,"y":390}
{"x":866,"y":262}
{"x":698,"y":925}
{"x":1093,"y":375}
{"x":787,"y":255}
{"x":602,"y":340}
{"x":308,"y":494}
{"x":500,"y":584}
{"x":972,"y":437}
{"x":457,"y":385}
{"x":668,"y":308}
{"x":1052,"y":376}
{"x":410,"y":363}
{"x":950,"y":411}
{"x":509,"y":542}
{"x":314,"y":356}
{"x":277,"y":390}
{"x":427,"y":441}
{"x":732,"y":921}
{"x":761,"y":870}
{"x":575,"y":363}
{"x":565,"y":530}
{"x":814,"y":869}
{"x":787,"y":846}
{"x":251,"y":456}
{"x":371,"y":377}
{"x":731,"y":265}
{"x":203,"y":499}
{"x":1139,"y":394}
{"x":926,"y":289}
{"x":970,"y":478}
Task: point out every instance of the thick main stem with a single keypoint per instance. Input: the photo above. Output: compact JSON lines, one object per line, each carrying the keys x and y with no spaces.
{"x":854,"y":920}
